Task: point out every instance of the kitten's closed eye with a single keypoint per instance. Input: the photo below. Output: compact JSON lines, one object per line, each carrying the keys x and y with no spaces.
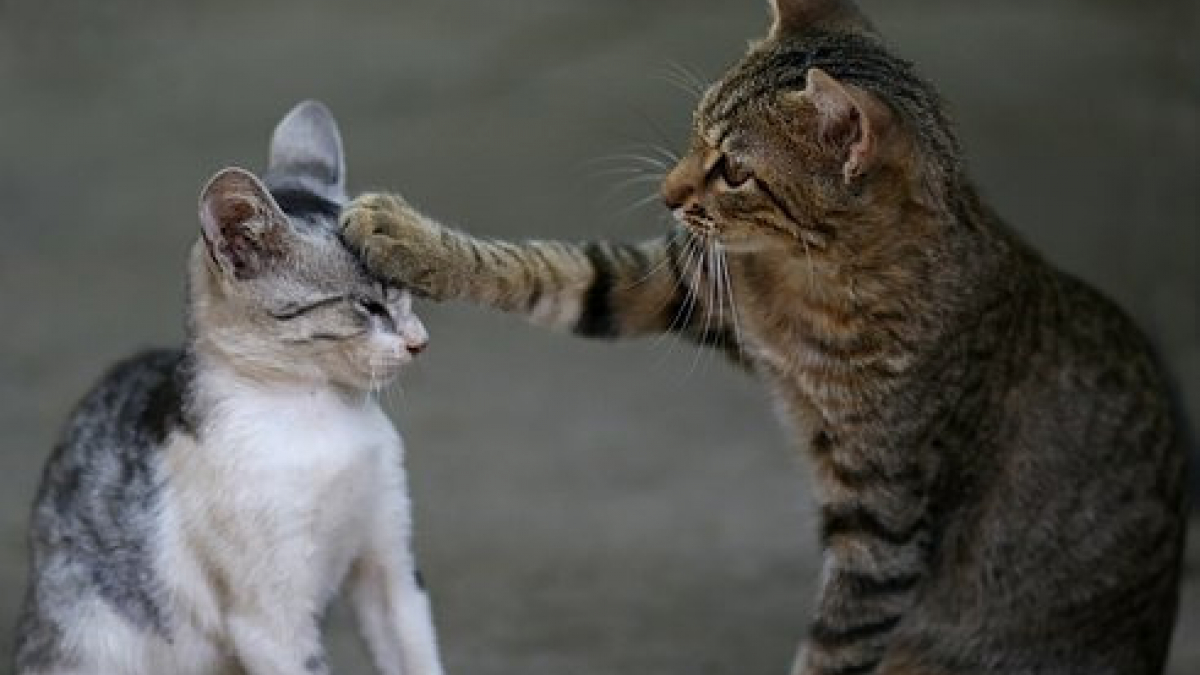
{"x":295,"y":311}
{"x":372,"y":307}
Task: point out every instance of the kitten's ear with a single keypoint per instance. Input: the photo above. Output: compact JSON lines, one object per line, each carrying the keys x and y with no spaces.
{"x":306,"y":153}
{"x":791,"y":17}
{"x":243,"y":228}
{"x":851,"y":122}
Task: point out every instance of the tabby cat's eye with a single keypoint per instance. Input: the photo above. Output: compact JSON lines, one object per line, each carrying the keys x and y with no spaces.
{"x":734,"y":172}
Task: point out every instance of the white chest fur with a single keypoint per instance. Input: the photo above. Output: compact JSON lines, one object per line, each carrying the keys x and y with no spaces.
{"x":281,"y":492}
{"x":279,"y":496}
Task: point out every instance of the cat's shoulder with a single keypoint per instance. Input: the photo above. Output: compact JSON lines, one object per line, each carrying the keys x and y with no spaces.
{"x":105,"y":472}
{"x":135,"y":405}
{"x":145,"y":394}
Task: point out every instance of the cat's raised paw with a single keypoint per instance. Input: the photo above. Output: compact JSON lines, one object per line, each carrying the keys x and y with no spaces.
{"x":396,"y":242}
{"x":377,"y":213}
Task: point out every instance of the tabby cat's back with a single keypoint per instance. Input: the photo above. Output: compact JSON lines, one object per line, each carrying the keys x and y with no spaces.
{"x":998,"y":470}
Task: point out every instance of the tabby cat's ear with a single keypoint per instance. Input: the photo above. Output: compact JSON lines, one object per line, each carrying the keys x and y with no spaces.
{"x":851,"y":122}
{"x":800,"y":16}
{"x":306,"y":153}
{"x":243,"y":228}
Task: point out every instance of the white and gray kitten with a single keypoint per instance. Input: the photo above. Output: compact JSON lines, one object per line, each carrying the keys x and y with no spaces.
{"x":204,"y":504}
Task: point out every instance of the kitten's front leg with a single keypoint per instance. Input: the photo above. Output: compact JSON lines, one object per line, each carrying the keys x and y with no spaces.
{"x":394,"y":618}
{"x":387,"y":593}
{"x":274,"y":638}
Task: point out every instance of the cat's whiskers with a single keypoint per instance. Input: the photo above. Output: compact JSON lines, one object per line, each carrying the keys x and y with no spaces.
{"x":372,"y":378}
{"x":733,"y":311}
{"x":714,"y":283}
{"x":638,"y":180}
{"x":648,"y":199}
{"x":392,"y":393}
{"x":691,"y":252}
{"x":713,"y":300}
{"x":681,"y":77}
{"x":684,"y":312}
{"x":631,"y":157}
{"x":659,"y":266}
{"x":626,"y":171}
{"x":633,"y":171}
{"x":702,"y":278}
{"x":666,"y":153}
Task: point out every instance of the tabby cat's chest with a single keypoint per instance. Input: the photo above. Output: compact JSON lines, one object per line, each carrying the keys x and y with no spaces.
{"x":814,"y":346}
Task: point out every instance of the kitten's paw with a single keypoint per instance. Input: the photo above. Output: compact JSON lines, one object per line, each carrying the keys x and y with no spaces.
{"x":398,"y":243}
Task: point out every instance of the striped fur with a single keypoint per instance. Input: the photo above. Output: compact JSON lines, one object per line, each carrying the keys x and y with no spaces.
{"x":998,"y":471}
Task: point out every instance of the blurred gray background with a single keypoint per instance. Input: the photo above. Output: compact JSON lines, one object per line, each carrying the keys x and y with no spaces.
{"x":582,"y":507}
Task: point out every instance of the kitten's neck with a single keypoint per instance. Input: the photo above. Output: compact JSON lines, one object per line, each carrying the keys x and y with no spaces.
{"x":220,"y":382}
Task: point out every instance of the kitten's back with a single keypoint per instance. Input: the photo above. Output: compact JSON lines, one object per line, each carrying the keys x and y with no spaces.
{"x":97,"y":501}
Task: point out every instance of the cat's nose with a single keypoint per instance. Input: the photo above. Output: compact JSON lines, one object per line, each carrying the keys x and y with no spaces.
{"x":676,"y":190}
{"x":680,"y":186}
{"x":415,"y":348}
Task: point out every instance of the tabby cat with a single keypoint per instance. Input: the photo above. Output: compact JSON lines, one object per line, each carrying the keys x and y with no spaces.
{"x":999,"y":474}
{"x":205,"y":503}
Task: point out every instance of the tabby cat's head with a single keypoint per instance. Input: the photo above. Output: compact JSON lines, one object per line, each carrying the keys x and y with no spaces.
{"x":274,"y":291}
{"x":819,"y":136}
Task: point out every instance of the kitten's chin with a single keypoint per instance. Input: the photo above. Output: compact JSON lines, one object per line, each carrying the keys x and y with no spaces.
{"x":375,"y":374}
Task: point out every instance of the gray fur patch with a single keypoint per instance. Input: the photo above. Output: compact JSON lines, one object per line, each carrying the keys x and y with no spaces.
{"x":315,"y":664}
{"x":94,"y":524}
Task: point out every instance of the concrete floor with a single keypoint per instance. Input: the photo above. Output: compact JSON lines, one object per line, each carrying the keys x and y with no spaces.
{"x":582,"y":507}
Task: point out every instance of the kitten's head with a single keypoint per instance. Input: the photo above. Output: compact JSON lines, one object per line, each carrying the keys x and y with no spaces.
{"x":274,"y":291}
{"x":816,"y":138}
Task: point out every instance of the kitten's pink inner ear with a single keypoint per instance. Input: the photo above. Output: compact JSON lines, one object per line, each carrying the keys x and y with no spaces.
{"x":240,"y":221}
{"x":850,"y":121}
{"x":233,"y":212}
{"x":229,"y":200}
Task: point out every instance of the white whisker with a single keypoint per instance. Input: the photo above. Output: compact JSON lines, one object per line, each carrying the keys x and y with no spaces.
{"x":678,"y":75}
{"x":689,"y":257}
{"x":667,"y":154}
{"x":644,"y":201}
{"x":707,"y":278}
{"x":632,"y":158}
{"x":664,"y":262}
{"x":733,"y":311}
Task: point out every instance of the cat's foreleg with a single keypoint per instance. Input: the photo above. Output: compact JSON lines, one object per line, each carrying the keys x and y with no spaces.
{"x":875,"y":546}
{"x":270,"y":639}
{"x":595,"y":289}
{"x":389,"y":598}
{"x":395,"y":618}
